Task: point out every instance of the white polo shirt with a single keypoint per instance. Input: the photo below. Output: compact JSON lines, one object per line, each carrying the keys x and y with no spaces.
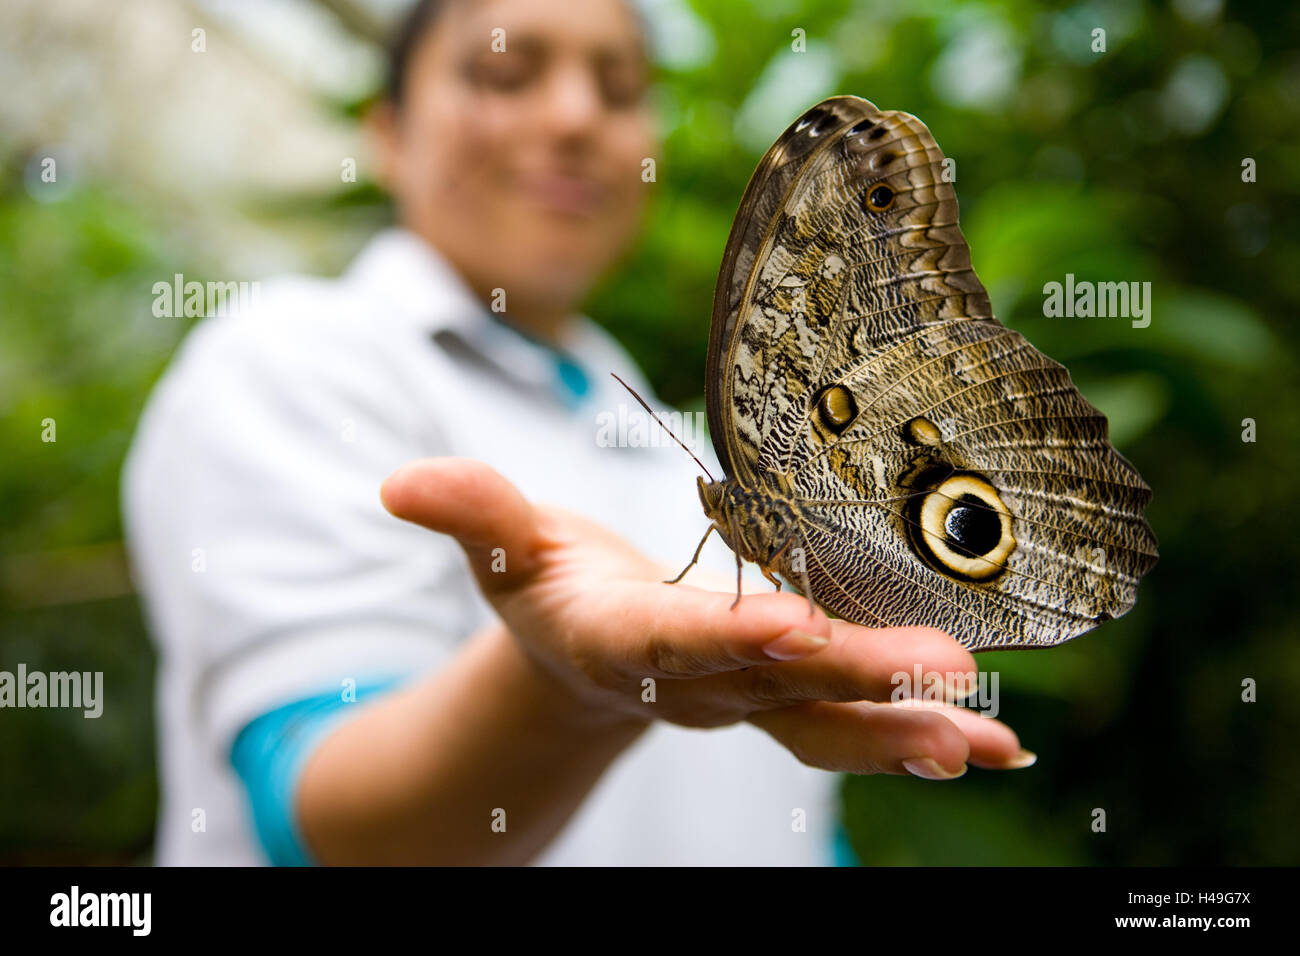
{"x":270,"y":571}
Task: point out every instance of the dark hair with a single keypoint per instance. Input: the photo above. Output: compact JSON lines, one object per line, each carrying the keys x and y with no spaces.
{"x":404,"y":42}
{"x":422,"y":15}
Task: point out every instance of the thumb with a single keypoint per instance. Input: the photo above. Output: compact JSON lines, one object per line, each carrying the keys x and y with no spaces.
{"x":467,"y":499}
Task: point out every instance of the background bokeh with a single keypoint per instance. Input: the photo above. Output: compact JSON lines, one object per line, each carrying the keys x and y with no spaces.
{"x":1116,"y":166}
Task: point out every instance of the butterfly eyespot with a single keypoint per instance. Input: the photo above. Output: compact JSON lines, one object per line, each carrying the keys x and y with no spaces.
{"x":836,"y":408}
{"x":962,"y":528}
{"x":884,"y":159}
{"x":971,"y":527}
{"x":860,"y":127}
{"x":922,"y":431}
{"x":880,"y":198}
{"x":876,"y":133}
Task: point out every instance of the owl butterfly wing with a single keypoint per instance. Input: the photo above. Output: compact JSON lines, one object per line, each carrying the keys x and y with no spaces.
{"x":735,"y":376}
{"x":946,"y":472}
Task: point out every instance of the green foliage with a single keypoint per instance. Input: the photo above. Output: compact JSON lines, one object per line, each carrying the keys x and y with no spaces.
{"x":78,"y":345}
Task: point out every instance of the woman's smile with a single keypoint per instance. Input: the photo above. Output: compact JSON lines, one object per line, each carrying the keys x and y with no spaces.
{"x":564,"y":193}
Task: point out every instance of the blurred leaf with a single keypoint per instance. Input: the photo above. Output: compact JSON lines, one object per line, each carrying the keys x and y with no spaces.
{"x":1133,"y":403}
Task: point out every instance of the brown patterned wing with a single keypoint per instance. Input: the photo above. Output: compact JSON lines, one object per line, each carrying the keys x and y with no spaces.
{"x":728,"y":384}
{"x":946,"y":472}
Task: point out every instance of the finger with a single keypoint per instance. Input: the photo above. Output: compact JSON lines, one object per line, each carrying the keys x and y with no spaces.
{"x":866,"y":738}
{"x":682,"y":632}
{"x":993,"y":745}
{"x":474,"y":504}
{"x":865,"y":663}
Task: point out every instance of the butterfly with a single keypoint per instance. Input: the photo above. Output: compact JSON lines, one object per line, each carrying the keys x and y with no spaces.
{"x":888,"y":444}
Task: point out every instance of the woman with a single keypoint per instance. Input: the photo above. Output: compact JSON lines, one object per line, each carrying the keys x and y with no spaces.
{"x":337,"y":686}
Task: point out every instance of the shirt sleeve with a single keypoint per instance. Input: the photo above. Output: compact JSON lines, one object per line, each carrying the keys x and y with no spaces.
{"x":269,"y":567}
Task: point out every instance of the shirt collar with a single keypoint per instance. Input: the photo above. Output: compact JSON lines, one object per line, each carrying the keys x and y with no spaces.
{"x":418,"y":284}
{"x":415,"y":281}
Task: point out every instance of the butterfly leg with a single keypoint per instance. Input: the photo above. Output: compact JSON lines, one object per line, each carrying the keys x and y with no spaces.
{"x":695,"y":560}
{"x":739,"y":566}
{"x":803,"y":576}
{"x":767,"y":573}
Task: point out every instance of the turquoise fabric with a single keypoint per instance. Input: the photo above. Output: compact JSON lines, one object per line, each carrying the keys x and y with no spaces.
{"x":571,"y":381}
{"x":841,"y":849}
{"x":269,"y":755}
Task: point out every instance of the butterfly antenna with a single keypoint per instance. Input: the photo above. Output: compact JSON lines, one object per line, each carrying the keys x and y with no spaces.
{"x":662,"y":425}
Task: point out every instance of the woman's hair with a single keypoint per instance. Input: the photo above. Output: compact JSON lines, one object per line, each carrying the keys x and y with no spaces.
{"x":402,"y":48}
{"x":417,"y":22}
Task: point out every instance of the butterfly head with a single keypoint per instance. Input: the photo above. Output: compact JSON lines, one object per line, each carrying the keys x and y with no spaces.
{"x":712,"y":494}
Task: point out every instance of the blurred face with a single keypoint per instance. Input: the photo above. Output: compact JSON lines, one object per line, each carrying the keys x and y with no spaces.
{"x":523,"y":167}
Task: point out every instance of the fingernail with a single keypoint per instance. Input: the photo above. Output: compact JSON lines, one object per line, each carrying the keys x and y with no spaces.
{"x":929,"y":768}
{"x":1026,"y":758}
{"x":794,"y":645}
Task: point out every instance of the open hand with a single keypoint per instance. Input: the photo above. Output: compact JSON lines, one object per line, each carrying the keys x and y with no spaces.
{"x":593,"y":613}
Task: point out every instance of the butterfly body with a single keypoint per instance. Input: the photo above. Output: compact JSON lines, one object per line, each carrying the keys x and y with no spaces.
{"x":757,"y":525}
{"x":888,"y":445}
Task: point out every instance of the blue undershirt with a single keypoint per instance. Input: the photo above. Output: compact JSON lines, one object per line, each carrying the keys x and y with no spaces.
{"x":269,"y":755}
{"x":571,"y":382}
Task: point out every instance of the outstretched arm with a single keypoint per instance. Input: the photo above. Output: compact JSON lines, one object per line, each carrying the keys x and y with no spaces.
{"x":529,"y":714}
